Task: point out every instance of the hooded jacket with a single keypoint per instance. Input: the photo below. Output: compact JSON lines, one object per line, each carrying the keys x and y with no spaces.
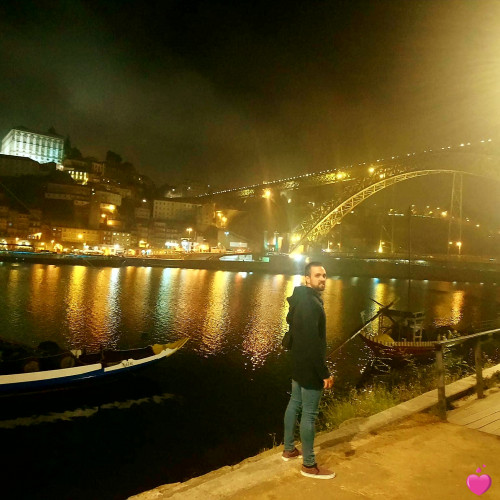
{"x":307,"y":321}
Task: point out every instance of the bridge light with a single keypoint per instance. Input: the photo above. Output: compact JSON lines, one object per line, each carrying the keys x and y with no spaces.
{"x":267,"y":194}
{"x":371,"y":170}
{"x":445,"y":213}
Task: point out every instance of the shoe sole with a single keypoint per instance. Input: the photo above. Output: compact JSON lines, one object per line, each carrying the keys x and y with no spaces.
{"x":318,"y":476}
{"x":287,"y":459}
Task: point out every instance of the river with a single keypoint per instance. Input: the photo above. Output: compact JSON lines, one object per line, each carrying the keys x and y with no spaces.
{"x":217,"y":401}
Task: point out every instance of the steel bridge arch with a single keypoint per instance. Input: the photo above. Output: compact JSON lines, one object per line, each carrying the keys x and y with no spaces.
{"x":325,"y":218}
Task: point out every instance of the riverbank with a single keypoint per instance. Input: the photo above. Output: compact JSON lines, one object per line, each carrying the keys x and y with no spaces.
{"x":399,"y":453}
{"x":474,"y":271}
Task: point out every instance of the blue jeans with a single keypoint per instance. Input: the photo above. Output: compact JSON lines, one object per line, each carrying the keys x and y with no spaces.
{"x":306,"y":402}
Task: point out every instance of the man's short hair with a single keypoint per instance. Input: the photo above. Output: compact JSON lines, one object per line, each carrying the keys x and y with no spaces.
{"x":307,"y":270}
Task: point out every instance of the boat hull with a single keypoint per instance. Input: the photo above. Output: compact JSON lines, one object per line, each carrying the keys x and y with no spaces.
{"x":400,"y":351}
{"x":39,"y":381}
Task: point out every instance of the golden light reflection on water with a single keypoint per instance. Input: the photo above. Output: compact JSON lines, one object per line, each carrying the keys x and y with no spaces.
{"x":100,"y":324}
{"x":135,"y":292}
{"x":236,"y":314}
{"x":164,"y":312}
{"x":217,"y":312}
{"x":44,"y":297}
{"x":188,"y":304}
{"x":333,"y":298}
{"x":382,"y":293}
{"x":448,"y":310}
{"x":267,"y":320}
{"x":13,"y":282}
{"x":75,"y":306}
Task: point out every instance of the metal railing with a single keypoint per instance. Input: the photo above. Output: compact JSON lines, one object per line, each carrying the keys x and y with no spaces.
{"x":478,"y":366}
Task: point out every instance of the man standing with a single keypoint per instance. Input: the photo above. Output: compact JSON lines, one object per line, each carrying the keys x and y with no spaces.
{"x":310,"y":374}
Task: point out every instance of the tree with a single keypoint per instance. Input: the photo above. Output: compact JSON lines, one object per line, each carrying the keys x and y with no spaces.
{"x":71,"y":152}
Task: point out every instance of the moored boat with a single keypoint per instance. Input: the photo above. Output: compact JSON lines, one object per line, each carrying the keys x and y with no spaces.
{"x":398,"y":335}
{"x":23,"y":369}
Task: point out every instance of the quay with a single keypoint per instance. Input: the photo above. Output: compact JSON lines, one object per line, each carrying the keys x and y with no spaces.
{"x":404,"y":452}
{"x":436,"y":269}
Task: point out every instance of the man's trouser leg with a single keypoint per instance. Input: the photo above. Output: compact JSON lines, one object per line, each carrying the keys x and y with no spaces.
{"x":310,"y":409}
{"x":291,"y":414}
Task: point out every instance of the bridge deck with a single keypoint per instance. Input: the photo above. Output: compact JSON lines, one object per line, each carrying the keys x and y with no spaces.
{"x":480,"y":414}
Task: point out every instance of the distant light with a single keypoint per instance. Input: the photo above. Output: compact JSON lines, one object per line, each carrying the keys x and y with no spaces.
{"x":297,"y":257}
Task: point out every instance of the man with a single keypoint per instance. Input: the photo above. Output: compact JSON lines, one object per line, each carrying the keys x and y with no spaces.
{"x":310,"y":374}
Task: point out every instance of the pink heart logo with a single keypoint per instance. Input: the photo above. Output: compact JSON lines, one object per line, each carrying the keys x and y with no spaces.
{"x":479,"y":484}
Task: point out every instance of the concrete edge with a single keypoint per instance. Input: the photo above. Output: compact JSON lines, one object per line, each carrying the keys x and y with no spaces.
{"x":264,"y":466}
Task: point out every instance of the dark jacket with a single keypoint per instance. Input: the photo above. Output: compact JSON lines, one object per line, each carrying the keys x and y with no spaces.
{"x":307,"y":321}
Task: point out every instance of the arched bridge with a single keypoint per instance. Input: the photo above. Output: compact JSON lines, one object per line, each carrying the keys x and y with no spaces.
{"x":479,"y":161}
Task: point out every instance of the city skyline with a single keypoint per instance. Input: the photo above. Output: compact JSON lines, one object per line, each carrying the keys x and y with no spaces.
{"x":237,"y":94}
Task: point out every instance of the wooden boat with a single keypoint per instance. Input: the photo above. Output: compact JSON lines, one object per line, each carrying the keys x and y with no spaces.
{"x":23,"y":369}
{"x":397,"y":335}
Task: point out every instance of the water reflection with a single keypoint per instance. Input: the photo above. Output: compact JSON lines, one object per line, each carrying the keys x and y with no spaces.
{"x":75,"y":313}
{"x":334,"y":298}
{"x":241,"y":315}
{"x":216,"y":321}
{"x":136,"y":291}
{"x":262,"y":333}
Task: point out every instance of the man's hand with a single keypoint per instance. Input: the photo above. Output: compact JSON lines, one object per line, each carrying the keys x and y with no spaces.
{"x":328,"y":382}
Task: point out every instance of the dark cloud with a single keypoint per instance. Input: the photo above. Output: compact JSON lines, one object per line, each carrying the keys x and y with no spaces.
{"x":238,"y":92}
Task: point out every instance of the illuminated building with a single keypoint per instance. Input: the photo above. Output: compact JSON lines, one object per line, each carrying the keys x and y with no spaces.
{"x":43,"y":148}
{"x":80,"y":236}
{"x":173,"y":210}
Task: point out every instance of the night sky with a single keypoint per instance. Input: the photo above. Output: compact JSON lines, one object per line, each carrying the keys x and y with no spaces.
{"x":232,"y":93}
